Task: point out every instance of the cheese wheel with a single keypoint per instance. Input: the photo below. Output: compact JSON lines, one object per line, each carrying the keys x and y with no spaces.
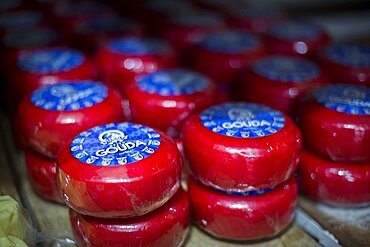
{"x":338,"y":184}
{"x":278,"y":81}
{"x":241,"y":147}
{"x":165,"y":226}
{"x":42,"y":174}
{"x":122,"y":59}
{"x":119,"y":170}
{"x":296,"y":38}
{"x":223,"y":54}
{"x":53,"y":114}
{"x":249,"y":216}
{"x":171,"y":96}
{"x":335,"y":122}
{"x":347,"y":62}
{"x":48,"y":66}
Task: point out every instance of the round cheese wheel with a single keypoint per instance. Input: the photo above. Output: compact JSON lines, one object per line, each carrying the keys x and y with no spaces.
{"x":223,"y":54}
{"x":347,"y":62}
{"x":247,"y":216}
{"x":335,"y":122}
{"x":165,"y":226}
{"x":42,"y":174}
{"x":278,"y":81}
{"x":119,"y":170}
{"x":48,"y":66}
{"x":171,"y":96}
{"x":338,"y":184}
{"x":121,"y":60}
{"x":241,"y":147}
{"x":295,"y":38}
{"x":53,"y":114}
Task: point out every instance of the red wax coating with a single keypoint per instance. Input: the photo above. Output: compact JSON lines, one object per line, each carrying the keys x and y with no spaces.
{"x":236,"y":217}
{"x":121,"y":191}
{"x":343,"y":69}
{"x":47,"y":131}
{"x":281,"y":94}
{"x":166,"y":226}
{"x":338,"y":184}
{"x":241,"y":164}
{"x":121,"y":68}
{"x":223,"y":67}
{"x":295,"y":46}
{"x":42,"y":173}
{"x":167,"y":112}
{"x":338,"y":136}
{"x":23,"y":82}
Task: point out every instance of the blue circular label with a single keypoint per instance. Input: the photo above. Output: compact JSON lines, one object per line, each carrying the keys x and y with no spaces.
{"x":135,"y":46}
{"x":51,"y":60}
{"x":69,"y":96}
{"x":295,"y":31}
{"x":230,"y":42}
{"x":36,"y":38}
{"x":20,"y":19}
{"x":247,"y":193}
{"x":350,"y":99}
{"x":115,"y":144}
{"x":286,"y":69}
{"x":173,"y":82}
{"x":354,"y":55}
{"x":242,"y":120}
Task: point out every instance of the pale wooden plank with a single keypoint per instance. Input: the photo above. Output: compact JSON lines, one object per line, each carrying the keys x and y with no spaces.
{"x":293,"y":236}
{"x":351,"y":226}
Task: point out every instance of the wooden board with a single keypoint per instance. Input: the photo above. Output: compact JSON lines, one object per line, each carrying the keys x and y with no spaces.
{"x":350,"y":226}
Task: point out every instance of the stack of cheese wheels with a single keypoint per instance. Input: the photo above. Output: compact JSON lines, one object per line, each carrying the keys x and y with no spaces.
{"x":335,"y":123}
{"x":242,"y":157}
{"x":278,"y":81}
{"x":122,"y":183}
{"x":52,"y":115}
